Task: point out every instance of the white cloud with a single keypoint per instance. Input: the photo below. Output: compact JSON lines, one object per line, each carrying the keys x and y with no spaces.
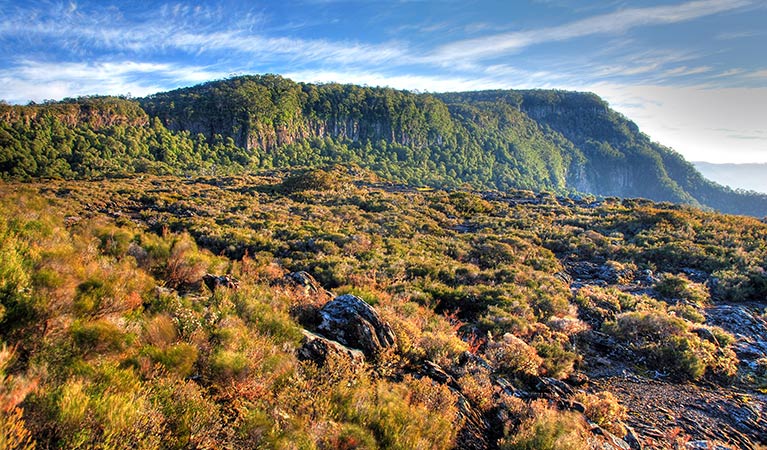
{"x":700,"y":122}
{"x":422,"y":83}
{"x":616,"y":22}
{"x":195,"y":31}
{"x":34,"y":80}
{"x":687,"y":71}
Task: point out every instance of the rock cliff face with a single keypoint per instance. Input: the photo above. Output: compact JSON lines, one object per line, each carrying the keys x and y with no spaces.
{"x":540,"y":140}
{"x":565,"y":140}
{"x":97,"y":112}
{"x":265,"y":112}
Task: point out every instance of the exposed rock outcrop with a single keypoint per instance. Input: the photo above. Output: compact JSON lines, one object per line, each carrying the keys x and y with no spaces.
{"x":352,"y":322}
{"x":319,"y":349}
{"x":304,"y":281}
{"x":214,"y":282}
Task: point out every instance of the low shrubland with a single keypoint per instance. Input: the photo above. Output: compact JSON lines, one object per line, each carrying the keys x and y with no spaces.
{"x":111,"y":339}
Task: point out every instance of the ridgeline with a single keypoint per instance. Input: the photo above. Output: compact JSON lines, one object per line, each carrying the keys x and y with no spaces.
{"x":540,"y":140}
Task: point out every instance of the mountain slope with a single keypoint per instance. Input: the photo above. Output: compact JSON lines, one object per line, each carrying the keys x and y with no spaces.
{"x":539,"y":140}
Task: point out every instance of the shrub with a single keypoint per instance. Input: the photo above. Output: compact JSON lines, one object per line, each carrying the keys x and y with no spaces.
{"x":161,"y":331}
{"x":558,"y":362}
{"x":90,"y":295}
{"x":642,"y":327}
{"x":740,"y":286}
{"x":548,"y":429}
{"x":186,"y":264}
{"x":115,"y":241}
{"x":352,"y":437}
{"x":17,"y":305}
{"x":312,"y":180}
{"x":604,"y":410}
{"x":13,"y":431}
{"x":412,"y":414}
{"x":513,"y":357}
{"x":111,"y":412}
{"x":228,"y":363}
{"x":669,"y":343}
{"x":98,"y":336}
{"x":192,"y":418}
{"x":178,"y":359}
{"x":688,"y":312}
{"x":679,"y":287}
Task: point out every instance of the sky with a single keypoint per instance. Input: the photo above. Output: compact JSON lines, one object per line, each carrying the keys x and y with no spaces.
{"x":691,"y":73}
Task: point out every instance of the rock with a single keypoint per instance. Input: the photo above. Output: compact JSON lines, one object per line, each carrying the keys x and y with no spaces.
{"x":577,"y":379}
{"x":475,"y":431}
{"x":305,"y":281}
{"x":318,"y":349}
{"x":509,"y":389}
{"x":611,"y":441}
{"x":705,"y":445}
{"x":438,"y":374}
{"x":573,"y":406}
{"x":646,"y":277}
{"x":214,"y":282}
{"x":468,"y":358}
{"x":554,"y":387}
{"x":749,"y":329}
{"x":588,"y":272}
{"x":162,"y":291}
{"x":352,"y":322}
{"x":695,"y":275}
{"x":632,"y":439}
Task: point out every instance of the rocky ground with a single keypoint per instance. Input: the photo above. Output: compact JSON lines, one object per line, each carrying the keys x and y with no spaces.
{"x":661,"y":412}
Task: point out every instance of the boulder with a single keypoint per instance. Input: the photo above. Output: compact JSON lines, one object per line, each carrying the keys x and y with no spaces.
{"x":214,"y":282}
{"x":318,"y":349}
{"x":610,"y":441}
{"x":352,"y":322}
{"x":304,"y":281}
{"x":632,"y":439}
{"x":554,"y":388}
{"x":474,"y":433}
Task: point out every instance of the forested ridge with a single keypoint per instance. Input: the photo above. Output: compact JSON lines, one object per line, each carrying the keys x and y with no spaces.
{"x":542,"y":140}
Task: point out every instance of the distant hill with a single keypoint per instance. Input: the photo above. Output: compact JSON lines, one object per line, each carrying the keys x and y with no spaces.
{"x":751,"y":177}
{"x":540,"y":140}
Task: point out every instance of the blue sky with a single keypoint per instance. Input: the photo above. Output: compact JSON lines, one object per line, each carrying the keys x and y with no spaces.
{"x":692,"y":74}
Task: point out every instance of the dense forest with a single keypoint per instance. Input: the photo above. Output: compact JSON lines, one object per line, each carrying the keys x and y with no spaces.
{"x":561,"y":142}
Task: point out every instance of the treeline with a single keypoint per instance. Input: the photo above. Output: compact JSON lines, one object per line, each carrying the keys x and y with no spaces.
{"x":540,"y":140}
{"x":71,"y":140}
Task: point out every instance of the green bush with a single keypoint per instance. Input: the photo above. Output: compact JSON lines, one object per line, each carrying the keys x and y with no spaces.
{"x":178,"y":359}
{"x":98,"y":336}
{"x":669,"y":344}
{"x":548,"y":429}
{"x":679,"y":287}
{"x":91,"y":295}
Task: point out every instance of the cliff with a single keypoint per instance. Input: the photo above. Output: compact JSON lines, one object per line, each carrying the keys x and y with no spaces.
{"x":542,"y":140}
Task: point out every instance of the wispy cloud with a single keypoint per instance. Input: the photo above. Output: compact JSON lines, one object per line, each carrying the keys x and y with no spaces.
{"x":33,"y":80}
{"x":423,"y":83}
{"x":760,"y":74}
{"x":616,"y":22}
{"x":684,"y":118}
{"x":195,"y":30}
